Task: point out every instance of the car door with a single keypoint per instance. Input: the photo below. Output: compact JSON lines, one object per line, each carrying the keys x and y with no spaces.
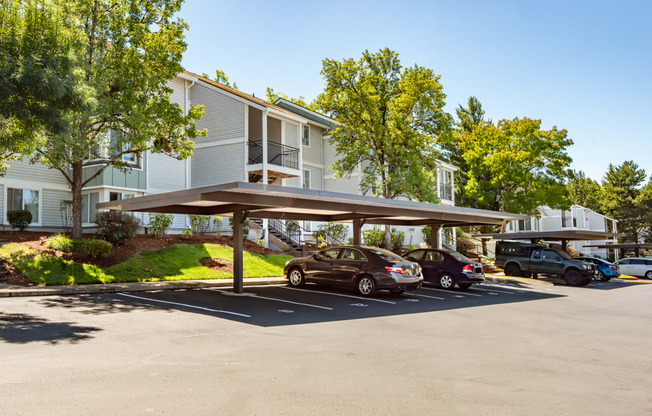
{"x":321,"y":269}
{"x":637,"y":267}
{"x":536,"y":261}
{"x":625,"y":267}
{"x":432,"y":265}
{"x":551,"y":262}
{"x":347,"y":266}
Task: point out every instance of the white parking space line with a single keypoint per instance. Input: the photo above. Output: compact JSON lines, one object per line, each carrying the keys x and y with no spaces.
{"x":493,"y":290}
{"x":452,"y":292}
{"x":517,"y":290}
{"x":282,"y":300}
{"x":185,"y":305}
{"x":426,"y":296}
{"x":339,"y":294}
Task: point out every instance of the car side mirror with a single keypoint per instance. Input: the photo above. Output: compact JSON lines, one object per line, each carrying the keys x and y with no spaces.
{"x":557,"y":258}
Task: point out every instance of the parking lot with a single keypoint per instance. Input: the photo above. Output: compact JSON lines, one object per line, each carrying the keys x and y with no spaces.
{"x":494,"y":349}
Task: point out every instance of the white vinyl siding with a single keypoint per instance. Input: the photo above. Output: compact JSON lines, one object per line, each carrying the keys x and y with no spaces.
{"x":292,"y":134}
{"x":224,"y":117}
{"x":178,"y":92}
{"x":51,"y":203}
{"x":347,"y":185}
{"x":166,"y":173}
{"x":218,"y":164}
{"x":315,"y":176}
{"x":312,"y":153}
{"x":37,"y":173}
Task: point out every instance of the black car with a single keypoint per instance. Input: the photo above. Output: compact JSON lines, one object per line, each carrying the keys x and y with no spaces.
{"x":447,"y":268}
{"x":367,"y":269}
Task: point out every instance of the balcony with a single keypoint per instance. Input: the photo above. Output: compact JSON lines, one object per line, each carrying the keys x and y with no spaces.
{"x":282,"y":160}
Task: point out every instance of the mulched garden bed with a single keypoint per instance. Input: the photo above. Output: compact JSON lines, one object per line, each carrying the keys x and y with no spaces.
{"x":141,"y":242}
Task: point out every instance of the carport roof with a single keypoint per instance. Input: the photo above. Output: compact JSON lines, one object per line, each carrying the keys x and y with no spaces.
{"x":552,"y":235}
{"x":621,"y":246}
{"x":281,"y":202}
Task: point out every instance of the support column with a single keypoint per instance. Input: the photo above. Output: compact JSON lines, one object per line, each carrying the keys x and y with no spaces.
{"x":238,"y":264}
{"x":265,"y":149}
{"x":564,"y":245}
{"x":357,"y":232}
{"x":434,"y":235}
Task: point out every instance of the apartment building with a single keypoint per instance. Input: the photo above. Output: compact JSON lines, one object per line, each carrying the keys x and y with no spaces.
{"x":577,"y":218}
{"x":249,"y":139}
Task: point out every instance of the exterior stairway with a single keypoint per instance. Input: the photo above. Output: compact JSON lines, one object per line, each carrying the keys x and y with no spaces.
{"x":279,"y":235}
{"x":489,"y":267}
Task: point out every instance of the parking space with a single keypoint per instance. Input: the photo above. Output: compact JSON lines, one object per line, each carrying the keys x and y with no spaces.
{"x":279,"y":305}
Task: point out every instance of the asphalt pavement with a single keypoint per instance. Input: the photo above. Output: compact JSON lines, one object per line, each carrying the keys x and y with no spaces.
{"x":499,"y":348}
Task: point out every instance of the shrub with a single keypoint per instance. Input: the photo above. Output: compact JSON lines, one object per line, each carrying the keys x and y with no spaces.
{"x":19,"y":218}
{"x":332,"y":232}
{"x":116,"y":227}
{"x":203,"y":224}
{"x":245,"y":227}
{"x":60,"y":242}
{"x":373,"y":238}
{"x":95,"y":248}
{"x":160,"y":224}
{"x":397,"y":239}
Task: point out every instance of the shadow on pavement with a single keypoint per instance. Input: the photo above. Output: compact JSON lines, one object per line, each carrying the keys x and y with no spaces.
{"x":23,"y":328}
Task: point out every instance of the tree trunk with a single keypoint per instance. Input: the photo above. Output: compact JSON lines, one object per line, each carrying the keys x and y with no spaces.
{"x":77,"y":199}
{"x":485,"y":252}
{"x":388,"y":237}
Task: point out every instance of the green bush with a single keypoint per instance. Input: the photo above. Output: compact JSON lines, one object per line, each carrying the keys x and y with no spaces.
{"x":95,"y":248}
{"x":159,"y":224}
{"x":60,"y":242}
{"x":397,"y":239}
{"x":332,"y":232}
{"x":116,"y":227}
{"x":203,"y":224}
{"x":427,"y":233}
{"x":19,"y":218}
{"x":373,"y":238}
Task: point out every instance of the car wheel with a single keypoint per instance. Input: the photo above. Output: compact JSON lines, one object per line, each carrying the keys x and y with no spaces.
{"x":574,"y":278}
{"x":601,"y":277}
{"x":512,"y":270}
{"x":397,"y":291}
{"x":446,"y":281}
{"x":464,"y":286}
{"x":366,"y":286}
{"x":648,"y":275}
{"x":296,"y":277}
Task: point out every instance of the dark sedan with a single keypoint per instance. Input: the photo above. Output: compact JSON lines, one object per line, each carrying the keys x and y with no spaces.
{"x":447,"y":268}
{"x":367,"y":269}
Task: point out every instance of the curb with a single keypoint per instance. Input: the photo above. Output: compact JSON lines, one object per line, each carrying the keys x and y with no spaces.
{"x":19,"y":291}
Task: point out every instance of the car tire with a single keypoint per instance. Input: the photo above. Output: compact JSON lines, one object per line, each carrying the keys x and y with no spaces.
{"x":601,"y":277}
{"x":574,"y":278}
{"x":586,"y":281}
{"x":366,"y":286}
{"x":464,"y":286}
{"x":512,"y":270}
{"x":296,"y":277}
{"x":648,"y":275}
{"x":397,"y":291}
{"x":446,"y":281}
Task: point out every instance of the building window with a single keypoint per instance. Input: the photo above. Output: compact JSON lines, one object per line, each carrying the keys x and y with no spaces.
{"x":88,"y":207}
{"x":566,"y":219}
{"x":525,"y":225}
{"x":26,"y":199}
{"x":446,"y":185}
{"x":306,"y":179}
{"x":305,"y":139}
{"x":116,"y":196}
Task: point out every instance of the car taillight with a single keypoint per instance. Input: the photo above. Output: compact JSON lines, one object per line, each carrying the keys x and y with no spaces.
{"x":613,"y":267}
{"x":393,"y":269}
{"x":467,"y":268}
{"x":420,"y":270}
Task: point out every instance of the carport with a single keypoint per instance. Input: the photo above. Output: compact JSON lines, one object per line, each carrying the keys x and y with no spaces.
{"x":563,"y":236}
{"x":245,"y":200}
{"x":623,"y":247}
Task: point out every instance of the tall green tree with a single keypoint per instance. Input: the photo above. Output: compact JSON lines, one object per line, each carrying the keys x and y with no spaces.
{"x":36,"y":79}
{"x":123,"y":53}
{"x":583,"y":190}
{"x":390,"y":117}
{"x":272,"y":96}
{"x":627,"y":200}
{"x":220,"y":76}
{"x":515,"y":166}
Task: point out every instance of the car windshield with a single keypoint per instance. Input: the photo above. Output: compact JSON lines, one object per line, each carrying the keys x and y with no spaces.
{"x":386,"y":254}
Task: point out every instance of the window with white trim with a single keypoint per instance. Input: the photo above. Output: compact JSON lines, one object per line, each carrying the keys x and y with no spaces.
{"x":116,"y":196}
{"x":26,"y":199}
{"x":305,"y":138}
{"x":88,"y":207}
{"x":306,"y":179}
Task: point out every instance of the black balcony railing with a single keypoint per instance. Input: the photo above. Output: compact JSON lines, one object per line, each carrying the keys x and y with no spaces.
{"x":446,"y":192}
{"x":277,"y":154}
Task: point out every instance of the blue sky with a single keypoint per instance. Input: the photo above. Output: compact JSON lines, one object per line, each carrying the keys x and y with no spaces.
{"x":579,"y":65}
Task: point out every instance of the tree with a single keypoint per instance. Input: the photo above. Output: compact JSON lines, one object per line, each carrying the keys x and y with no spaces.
{"x":626,"y":200}
{"x":36,"y":80}
{"x":515,"y":166}
{"x":221,"y":77}
{"x":583,"y":191}
{"x":272,"y":96}
{"x":123,"y":52}
{"x":390,"y":118}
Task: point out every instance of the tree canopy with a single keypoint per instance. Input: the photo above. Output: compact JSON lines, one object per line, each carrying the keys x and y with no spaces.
{"x":272,"y":96}
{"x":122,"y":55}
{"x":583,"y":190}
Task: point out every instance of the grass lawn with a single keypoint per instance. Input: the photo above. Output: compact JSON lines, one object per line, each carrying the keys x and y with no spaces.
{"x":176,"y":262}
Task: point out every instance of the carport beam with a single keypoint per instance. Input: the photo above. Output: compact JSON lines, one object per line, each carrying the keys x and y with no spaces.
{"x":238,"y":265}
